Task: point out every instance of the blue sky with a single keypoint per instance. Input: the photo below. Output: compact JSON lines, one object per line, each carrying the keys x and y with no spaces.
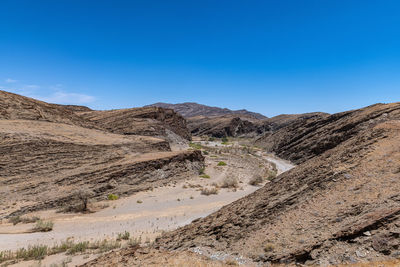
{"x":271,"y":57}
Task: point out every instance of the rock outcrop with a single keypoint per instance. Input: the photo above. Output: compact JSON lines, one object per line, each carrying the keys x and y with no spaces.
{"x":48,"y":152}
{"x":340,"y":205}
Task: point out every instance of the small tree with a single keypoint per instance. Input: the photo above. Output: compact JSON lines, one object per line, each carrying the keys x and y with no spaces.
{"x":84,"y":195}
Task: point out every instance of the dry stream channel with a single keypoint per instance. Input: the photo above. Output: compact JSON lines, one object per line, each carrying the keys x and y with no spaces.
{"x":147,"y":214}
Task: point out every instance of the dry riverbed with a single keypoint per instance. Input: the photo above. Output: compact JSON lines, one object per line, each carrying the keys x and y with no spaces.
{"x":146,"y":215}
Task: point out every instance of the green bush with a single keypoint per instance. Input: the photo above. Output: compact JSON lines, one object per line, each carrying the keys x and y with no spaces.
{"x":221,"y":163}
{"x":112,"y":197}
{"x":205,"y":176}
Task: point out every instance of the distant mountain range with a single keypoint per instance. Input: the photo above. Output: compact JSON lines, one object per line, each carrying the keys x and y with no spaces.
{"x":191,"y":109}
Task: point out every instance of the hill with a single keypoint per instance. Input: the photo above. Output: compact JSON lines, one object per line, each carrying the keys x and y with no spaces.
{"x":48,"y":152}
{"x":191,"y":109}
{"x":340,"y":205}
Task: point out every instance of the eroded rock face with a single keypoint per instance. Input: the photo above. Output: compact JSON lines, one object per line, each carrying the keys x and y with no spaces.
{"x":190,"y":109}
{"x":17,"y":107}
{"x":149,"y":121}
{"x":226,"y":126}
{"x":306,"y":138}
{"x":49,"y":151}
{"x":341,"y":205}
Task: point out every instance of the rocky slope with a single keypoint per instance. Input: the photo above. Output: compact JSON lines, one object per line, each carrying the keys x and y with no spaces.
{"x":149,"y":121}
{"x":14,"y":107}
{"x":223,"y":126}
{"x":342,"y":205}
{"x":190,"y":109}
{"x":48,"y":152}
{"x":307,"y":137}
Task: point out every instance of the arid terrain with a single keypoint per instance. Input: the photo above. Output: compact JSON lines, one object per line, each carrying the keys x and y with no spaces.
{"x":132,"y":187}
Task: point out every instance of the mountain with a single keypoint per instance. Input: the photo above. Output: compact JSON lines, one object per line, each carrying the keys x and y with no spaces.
{"x":191,"y":109}
{"x":341,"y":204}
{"x":48,"y":152}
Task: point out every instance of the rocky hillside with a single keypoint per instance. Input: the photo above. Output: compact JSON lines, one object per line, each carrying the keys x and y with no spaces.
{"x":149,"y":121}
{"x":48,"y":153}
{"x":342,"y":205}
{"x":307,"y":137}
{"x":16,"y":107}
{"x":190,"y":109}
{"x":222,"y":126}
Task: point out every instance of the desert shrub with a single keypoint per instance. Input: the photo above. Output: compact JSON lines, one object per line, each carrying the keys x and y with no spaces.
{"x":18,"y":219}
{"x":271,"y":174}
{"x":63,"y":247}
{"x":224,"y":139}
{"x":205,"y":152}
{"x":43,"y":226}
{"x":139,"y":201}
{"x":105,"y":245}
{"x":256,"y":180}
{"x":205,"y":176}
{"x":209,"y":191}
{"x":229,"y":182}
{"x":6,"y":255}
{"x":123,"y":236}
{"x":231,"y":262}
{"x":268,"y":247}
{"x":36,"y":252}
{"x":83,"y":195}
{"x":78,"y":247}
{"x":201,"y":171}
{"x":134,"y":242}
{"x":221,"y":163}
{"x":195,"y":146}
{"x":112,"y":197}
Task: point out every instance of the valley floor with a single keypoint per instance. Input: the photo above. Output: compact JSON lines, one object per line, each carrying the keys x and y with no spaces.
{"x":147,"y":214}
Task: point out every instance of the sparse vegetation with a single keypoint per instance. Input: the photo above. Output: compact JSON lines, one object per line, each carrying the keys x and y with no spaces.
{"x":271,"y":174}
{"x":43,"y":226}
{"x":268,"y":247}
{"x":209,"y":191}
{"x":205,"y":176}
{"x":201,"y":171}
{"x":221,"y":163}
{"x":123,"y":236}
{"x":256,"y":180}
{"x":83,"y":196}
{"x":36,"y":252}
{"x":231,"y":262}
{"x":229,"y":182}
{"x":224,"y":140}
{"x":133,"y":242}
{"x":18,"y":219}
{"x":78,"y":248}
{"x":39,"y":252}
{"x":139,"y":201}
{"x":195,"y":146}
{"x":112,"y":197}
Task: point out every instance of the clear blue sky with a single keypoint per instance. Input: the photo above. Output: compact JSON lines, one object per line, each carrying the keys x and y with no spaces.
{"x":266,"y":56}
